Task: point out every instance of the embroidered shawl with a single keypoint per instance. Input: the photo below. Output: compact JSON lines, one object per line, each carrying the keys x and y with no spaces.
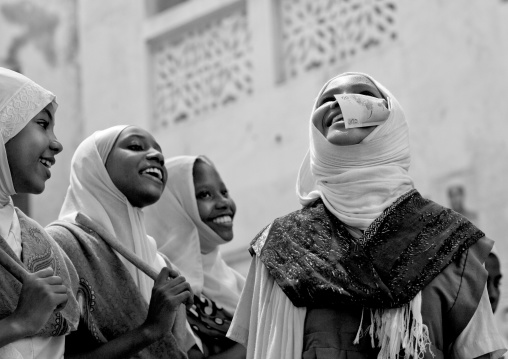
{"x":40,"y":251}
{"x":111,"y":302}
{"x":318,"y":263}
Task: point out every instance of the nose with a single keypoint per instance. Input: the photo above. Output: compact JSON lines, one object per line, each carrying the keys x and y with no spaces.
{"x":155,"y":155}
{"x":55,"y":146}
{"x":222,"y":201}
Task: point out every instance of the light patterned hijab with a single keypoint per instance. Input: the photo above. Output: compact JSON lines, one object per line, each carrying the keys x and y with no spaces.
{"x":20,"y":100}
{"x":189,"y":243}
{"x":93,"y":193}
{"x":358,"y":182}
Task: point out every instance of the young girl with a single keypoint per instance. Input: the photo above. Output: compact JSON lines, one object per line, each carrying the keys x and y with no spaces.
{"x":192,"y":219}
{"x":368,"y":268}
{"x":30,"y":327}
{"x":114,"y":174}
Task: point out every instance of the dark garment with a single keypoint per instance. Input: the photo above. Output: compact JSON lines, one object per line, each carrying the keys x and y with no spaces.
{"x":448,"y":303}
{"x":111,"y":302}
{"x":318,"y":263}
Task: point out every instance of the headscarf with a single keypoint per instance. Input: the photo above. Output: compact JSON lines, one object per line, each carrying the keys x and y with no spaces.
{"x":189,"y":243}
{"x":358,"y":182}
{"x":20,"y":100}
{"x":93,"y":193}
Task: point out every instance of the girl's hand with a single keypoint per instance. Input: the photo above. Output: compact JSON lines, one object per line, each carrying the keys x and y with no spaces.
{"x":40,"y":295}
{"x":169,"y":292}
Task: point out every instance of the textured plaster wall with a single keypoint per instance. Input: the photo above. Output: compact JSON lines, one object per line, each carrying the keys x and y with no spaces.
{"x":447,"y":69}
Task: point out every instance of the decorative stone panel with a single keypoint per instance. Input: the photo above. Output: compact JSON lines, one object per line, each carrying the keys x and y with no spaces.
{"x":321,"y":33}
{"x":202,"y":69}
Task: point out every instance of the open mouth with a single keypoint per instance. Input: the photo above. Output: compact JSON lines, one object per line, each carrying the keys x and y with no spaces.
{"x":46,"y":163}
{"x":334,"y":118}
{"x":154,"y":172}
{"x":223,"y":220}
{"x":338,"y":118}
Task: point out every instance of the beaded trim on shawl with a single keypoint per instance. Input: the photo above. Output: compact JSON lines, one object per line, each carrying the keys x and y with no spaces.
{"x":23,"y":105}
{"x":316,"y":261}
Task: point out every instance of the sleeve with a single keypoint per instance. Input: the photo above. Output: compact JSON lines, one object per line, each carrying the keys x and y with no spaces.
{"x":240,"y":325}
{"x":480,"y":335}
{"x":266,"y":322}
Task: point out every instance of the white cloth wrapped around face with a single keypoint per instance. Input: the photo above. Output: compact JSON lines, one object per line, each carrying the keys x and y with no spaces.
{"x":357,"y":182}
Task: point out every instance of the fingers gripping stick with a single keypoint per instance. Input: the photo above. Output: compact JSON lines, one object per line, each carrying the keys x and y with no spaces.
{"x":86,"y":221}
{"x":19,"y":272}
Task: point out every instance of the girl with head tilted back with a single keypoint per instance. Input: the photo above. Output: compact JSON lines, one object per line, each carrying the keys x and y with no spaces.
{"x":368,"y":267}
{"x":31,"y":325}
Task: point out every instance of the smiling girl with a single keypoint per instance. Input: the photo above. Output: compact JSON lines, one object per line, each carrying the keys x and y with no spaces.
{"x":192,"y":219}
{"x":367,"y":268}
{"x":114,"y":174}
{"x":30,"y":325}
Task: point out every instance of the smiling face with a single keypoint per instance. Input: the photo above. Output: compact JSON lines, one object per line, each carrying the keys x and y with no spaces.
{"x":216,"y":208}
{"x":31,"y":153}
{"x":136,"y":167}
{"x":327,"y":117}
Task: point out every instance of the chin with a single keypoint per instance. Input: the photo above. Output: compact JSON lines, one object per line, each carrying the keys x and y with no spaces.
{"x":228,"y":237}
{"x":348,"y":138}
{"x":37,"y":189}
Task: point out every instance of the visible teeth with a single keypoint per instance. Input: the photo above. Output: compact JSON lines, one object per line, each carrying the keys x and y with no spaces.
{"x":154,"y":171}
{"x":337,"y":118}
{"x":45,"y":162}
{"x":222,"y":220}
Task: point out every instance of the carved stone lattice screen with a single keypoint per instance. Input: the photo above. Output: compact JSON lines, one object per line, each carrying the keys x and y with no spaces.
{"x":203,"y":69}
{"x":320,"y":33}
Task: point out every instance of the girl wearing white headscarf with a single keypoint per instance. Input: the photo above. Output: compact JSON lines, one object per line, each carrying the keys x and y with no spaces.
{"x":113,"y":293}
{"x":368,"y":268}
{"x":193,"y":246}
{"x":27,"y":150}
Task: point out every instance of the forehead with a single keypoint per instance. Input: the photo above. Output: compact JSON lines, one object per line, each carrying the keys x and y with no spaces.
{"x":136,"y":132}
{"x":203,"y":171}
{"x":350,"y":83}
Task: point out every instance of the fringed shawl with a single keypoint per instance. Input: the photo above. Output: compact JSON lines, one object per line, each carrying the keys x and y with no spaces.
{"x":111,"y":302}
{"x":318,"y":263}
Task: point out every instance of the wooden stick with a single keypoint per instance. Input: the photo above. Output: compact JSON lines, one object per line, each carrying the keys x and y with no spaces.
{"x":12,"y":266}
{"x":86,"y":221}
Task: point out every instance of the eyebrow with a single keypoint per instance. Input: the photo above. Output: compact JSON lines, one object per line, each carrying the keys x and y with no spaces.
{"x":47,"y":112}
{"x":144,"y":138}
{"x":362,"y":84}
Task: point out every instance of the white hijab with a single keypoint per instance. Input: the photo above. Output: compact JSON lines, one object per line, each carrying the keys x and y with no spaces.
{"x":20,"y":100}
{"x":189,"y":243}
{"x":93,"y":193}
{"x":358,"y":182}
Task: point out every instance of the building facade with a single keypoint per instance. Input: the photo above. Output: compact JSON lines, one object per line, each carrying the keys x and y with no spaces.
{"x":236,"y":79}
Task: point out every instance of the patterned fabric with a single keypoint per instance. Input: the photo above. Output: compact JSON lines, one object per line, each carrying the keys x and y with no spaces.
{"x":39,"y":252}
{"x":20,"y":100}
{"x":210,"y":323}
{"x":111,"y":303}
{"x":318,"y":263}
